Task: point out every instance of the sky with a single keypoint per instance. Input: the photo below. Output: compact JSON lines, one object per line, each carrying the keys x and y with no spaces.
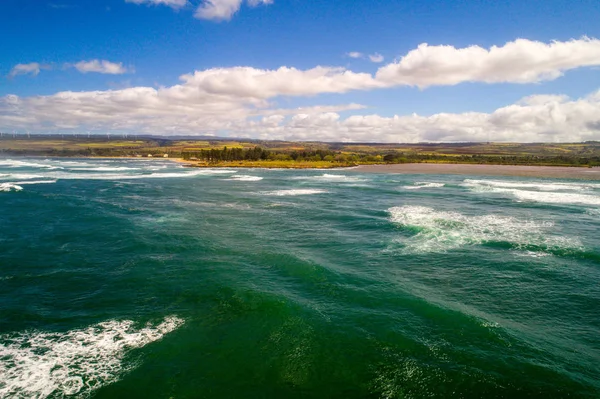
{"x":397,"y":71}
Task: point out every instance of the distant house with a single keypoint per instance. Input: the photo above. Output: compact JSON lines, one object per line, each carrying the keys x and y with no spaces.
{"x":166,"y":156}
{"x":193,"y":159}
{"x":149,"y":155}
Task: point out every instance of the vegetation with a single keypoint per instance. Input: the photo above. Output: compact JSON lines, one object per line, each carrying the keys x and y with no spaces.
{"x":250,"y":153}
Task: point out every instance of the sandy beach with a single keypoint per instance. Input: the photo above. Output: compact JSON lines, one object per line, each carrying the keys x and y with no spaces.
{"x":489,"y":170}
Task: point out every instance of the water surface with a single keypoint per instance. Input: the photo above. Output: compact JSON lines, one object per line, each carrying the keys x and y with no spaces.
{"x":137,"y":278}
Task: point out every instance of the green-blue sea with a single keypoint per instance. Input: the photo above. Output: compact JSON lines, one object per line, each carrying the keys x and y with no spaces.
{"x":145,"y":279}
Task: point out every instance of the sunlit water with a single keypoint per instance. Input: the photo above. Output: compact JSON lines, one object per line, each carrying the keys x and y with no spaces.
{"x":143,"y":279}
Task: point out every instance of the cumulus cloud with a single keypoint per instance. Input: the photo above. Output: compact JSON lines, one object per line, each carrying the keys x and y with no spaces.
{"x":244,"y":101}
{"x":247,"y":82}
{"x":170,"y":3}
{"x":32,"y":68}
{"x":190,"y":109}
{"x":223,"y":10}
{"x":519,"y":61}
{"x":205,"y":101}
{"x":377,"y":58}
{"x":543,"y":119}
{"x":101,"y":66}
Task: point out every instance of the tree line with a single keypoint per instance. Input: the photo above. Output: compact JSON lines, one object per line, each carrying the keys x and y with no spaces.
{"x":214,"y":155}
{"x":548,"y":160}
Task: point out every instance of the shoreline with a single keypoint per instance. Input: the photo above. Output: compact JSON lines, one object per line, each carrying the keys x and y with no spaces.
{"x":559,"y":172}
{"x":540,"y":171}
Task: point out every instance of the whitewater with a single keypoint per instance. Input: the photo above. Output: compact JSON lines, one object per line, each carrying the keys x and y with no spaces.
{"x":146,"y":279}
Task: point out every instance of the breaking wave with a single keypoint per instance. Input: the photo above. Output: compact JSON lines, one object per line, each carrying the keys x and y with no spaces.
{"x":440,"y":231}
{"x":326,"y":177}
{"x":542,"y":186}
{"x":17,"y":186}
{"x":419,"y":185}
{"x":105,"y":168}
{"x":99,"y":170}
{"x":77,"y":362}
{"x":245,"y":178}
{"x":292,"y":192}
{"x":125,"y":176}
{"x":13,"y":163}
{"x":21,"y":176}
{"x":552,"y":193}
{"x":556,"y":198}
{"x":6,"y":187}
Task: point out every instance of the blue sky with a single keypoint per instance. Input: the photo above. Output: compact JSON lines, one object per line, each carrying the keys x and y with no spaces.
{"x":71,"y":46}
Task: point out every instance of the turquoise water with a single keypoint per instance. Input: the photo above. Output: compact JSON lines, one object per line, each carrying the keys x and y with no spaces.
{"x":143,"y":279}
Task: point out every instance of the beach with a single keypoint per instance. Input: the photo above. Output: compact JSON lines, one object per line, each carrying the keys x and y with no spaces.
{"x":557,"y":172}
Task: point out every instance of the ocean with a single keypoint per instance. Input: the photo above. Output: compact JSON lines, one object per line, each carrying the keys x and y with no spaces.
{"x":144,"y":279}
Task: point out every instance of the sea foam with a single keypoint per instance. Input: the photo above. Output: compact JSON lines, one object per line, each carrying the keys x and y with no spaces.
{"x":327,"y":177}
{"x":421,"y":184}
{"x":245,"y":178}
{"x":132,"y":176}
{"x":542,"y":186}
{"x":77,"y":362}
{"x":103,"y":168}
{"x":17,"y":186}
{"x":440,"y":231}
{"x":552,"y":193}
{"x":6,"y":187}
{"x":21,"y":176}
{"x":13,"y":163}
{"x":293,"y":192}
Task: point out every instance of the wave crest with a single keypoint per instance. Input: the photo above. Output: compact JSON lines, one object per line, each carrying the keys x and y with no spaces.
{"x":293,"y":192}
{"x":551,"y":193}
{"x":42,"y":364}
{"x":440,"y":231}
{"x":6,"y":187}
{"x":327,"y":177}
{"x":245,"y":178}
{"x":422,"y":184}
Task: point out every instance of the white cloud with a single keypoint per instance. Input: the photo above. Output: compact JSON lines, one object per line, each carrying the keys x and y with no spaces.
{"x":223,"y":10}
{"x":32,"y":68}
{"x":520,"y":61}
{"x":247,"y":82}
{"x":101,"y":66}
{"x":244,"y":101}
{"x":205,"y":102}
{"x":377,"y":58}
{"x":543,"y":119}
{"x":170,"y":3}
{"x":189,"y":109}
{"x":355,"y":54}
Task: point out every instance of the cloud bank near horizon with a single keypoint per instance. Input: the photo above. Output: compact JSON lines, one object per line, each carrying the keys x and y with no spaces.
{"x":242,"y":101}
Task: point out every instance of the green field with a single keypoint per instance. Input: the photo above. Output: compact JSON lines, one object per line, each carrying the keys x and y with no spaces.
{"x":228,"y":152}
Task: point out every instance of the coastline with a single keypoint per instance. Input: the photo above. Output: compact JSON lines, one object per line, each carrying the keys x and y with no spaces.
{"x":557,"y":172}
{"x":560,"y":172}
